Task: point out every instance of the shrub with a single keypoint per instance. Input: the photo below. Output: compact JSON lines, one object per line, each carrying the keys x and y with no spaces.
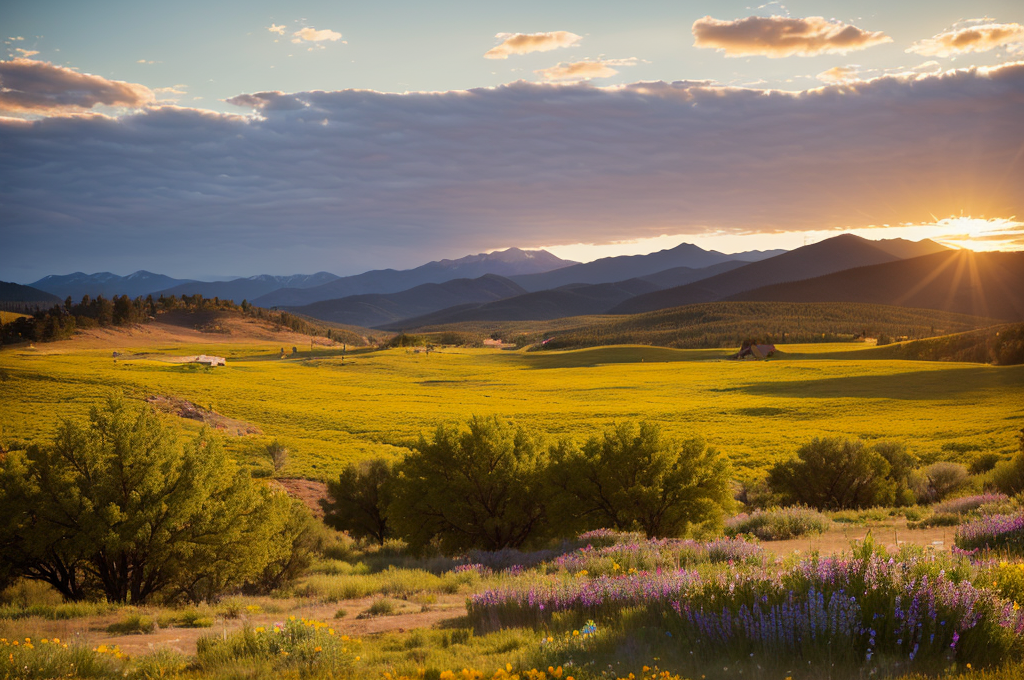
{"x":131,"y":624}
{"x":278,"y":454}
{"x":381,"y":607}
{"x":479,"y":487}
{"x":939,"y":480}
{"x":360,"y":499}
{"x":777,"y":524}
{"x":122,"y":508}
{"x":833,"y":474}
{"x":901,"y":466}
{"x":633,"y":479}
{"x":983,"y":463}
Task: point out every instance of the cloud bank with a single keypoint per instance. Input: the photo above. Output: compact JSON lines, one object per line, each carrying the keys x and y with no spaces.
{"x":351,"y":180}
{"x":524,"y":43}
{"x":971,"y":39}
{"x":782,"y":36}
{"x":39,"y":87}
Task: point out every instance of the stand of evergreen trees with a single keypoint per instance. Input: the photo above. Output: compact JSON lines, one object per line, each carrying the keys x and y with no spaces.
{"x":61,"y":321}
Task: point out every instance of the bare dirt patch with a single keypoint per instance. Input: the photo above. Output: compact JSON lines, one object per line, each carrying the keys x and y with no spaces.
{"x":841,"y":537}
{"x":308,"y":491}
{"x":186,"y":409}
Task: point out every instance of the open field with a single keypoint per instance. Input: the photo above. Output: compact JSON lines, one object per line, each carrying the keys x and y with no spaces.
{"x":7,"y":317}
{"x":330,"y":410}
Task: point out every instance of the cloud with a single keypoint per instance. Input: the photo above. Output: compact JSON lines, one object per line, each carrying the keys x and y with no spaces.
{"x":976,"y":38}
{"x":39,"y":87}
{"x":583,"y":70}
{"x":838,"y":74}
{"x":782,"y":36}
{"x":524,"y":43}
{"x":310,"y":34}
{"x":352,"y":180}
{"x":274,"y":28}
{"x":26,"y":53}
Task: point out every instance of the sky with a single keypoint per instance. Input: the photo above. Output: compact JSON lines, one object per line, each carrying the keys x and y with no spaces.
{"x":238,"y":138}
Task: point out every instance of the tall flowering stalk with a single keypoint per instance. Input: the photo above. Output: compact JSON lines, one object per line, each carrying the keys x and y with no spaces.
{"x":994,"y":532}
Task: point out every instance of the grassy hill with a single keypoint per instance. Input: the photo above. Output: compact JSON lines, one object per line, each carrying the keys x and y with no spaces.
{"x":728,"y":324}
{"x":14,"y":294}
{"x":983,"y":284}
{"x":1001,"y":345}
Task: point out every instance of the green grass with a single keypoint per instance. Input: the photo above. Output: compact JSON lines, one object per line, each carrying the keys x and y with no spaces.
{"x":329,"y":414}
{"x":394,"y":582}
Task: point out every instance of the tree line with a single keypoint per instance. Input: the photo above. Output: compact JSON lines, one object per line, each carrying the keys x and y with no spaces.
{"x":492,"y":485}
{"x":60,"y":322}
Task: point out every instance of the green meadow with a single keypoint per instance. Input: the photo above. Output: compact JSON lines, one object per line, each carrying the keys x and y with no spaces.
{"x":330,"y":410}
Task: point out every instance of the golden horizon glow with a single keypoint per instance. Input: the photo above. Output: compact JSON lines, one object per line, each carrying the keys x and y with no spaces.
{"x":972,"y":233}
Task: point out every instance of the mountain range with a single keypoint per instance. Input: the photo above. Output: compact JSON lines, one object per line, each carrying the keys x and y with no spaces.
{"x":623,"y":267}
{"x":673,"y":287}
{"x":17,"y":293}
{"x":507,"y":263}
{"x":825,"y":257}
{"x":961,"y":281}
{"x":378,"y":309}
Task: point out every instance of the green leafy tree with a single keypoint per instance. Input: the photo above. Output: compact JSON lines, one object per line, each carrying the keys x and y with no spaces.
{"x":634,"y":479}
{"x":831,"y":474}
{"x":123,"y":508}
{"x":474,"y":487}
{"x":901,"y":469}
{"x":359,"y":500}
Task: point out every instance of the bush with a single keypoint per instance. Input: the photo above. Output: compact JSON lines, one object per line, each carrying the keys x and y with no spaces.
{"x":382,"y":607}
{"x":939,"y":480}
{"x":132,"y":624}
{"x":278,"y":454}
{"x":121,"y":508}
{"x":901,"y":466}
{"x":778,"y":524}
{"x":478,"y":487}
{"x":833,"y":474}
{"x":360,"y":500}
{"x":633,"y":479}
{"x":983,"y":463}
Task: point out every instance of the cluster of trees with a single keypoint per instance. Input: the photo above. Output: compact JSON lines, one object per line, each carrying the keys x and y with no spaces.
{"x":1000,"y":345}
{"x":122,"y":508}
{"x":493,"y":485}
{"x":831,"y":473}
{"x":61,"y":321}
{"x":727,"y":324}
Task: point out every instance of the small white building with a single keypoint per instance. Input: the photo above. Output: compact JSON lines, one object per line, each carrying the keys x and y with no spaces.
{"x":207,"y":360}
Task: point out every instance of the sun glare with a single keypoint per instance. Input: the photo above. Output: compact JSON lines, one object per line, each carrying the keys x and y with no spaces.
{"x":979,"y":233}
